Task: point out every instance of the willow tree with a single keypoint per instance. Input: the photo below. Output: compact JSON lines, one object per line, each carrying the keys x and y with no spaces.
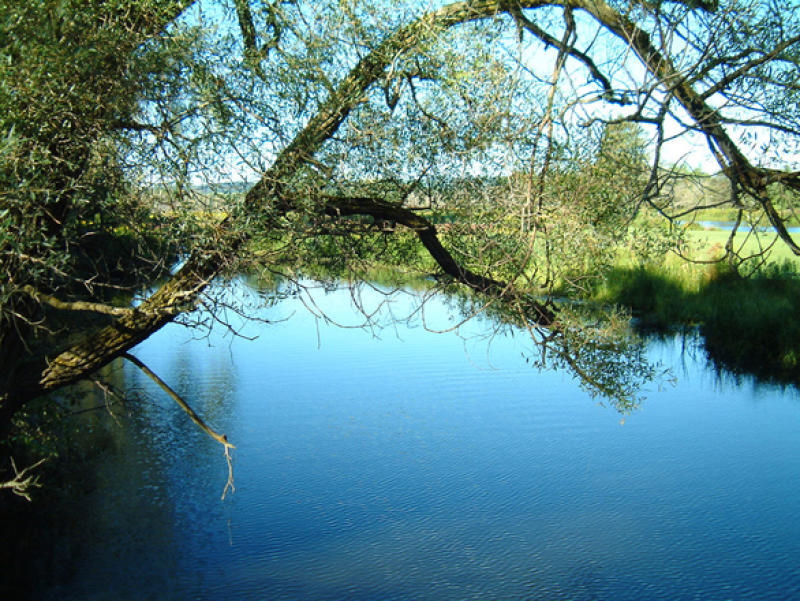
{"x":120,"y":120}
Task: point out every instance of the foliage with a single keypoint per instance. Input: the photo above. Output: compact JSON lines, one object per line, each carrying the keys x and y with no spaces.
{"x":73,"y":224}
{"x":590,"y":218}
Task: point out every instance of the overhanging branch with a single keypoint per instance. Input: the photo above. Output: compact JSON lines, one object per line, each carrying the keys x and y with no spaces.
{"x":220,"y":438}
{"x":426,"y":232}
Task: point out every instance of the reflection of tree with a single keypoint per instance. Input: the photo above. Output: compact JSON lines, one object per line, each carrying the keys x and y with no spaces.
{"x":597,"y":347}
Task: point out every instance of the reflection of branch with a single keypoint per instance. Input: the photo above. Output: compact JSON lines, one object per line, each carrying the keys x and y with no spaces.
{"x":21,"y":484}
{"x":594,"y":383}
{"x":108,"y":391}
{"x":220,"y":438}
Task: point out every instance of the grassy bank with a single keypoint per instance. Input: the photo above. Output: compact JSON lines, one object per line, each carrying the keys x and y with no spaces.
{"x":730,"y":214}
{"x":710,"y":244}
{"x":749,"y":324}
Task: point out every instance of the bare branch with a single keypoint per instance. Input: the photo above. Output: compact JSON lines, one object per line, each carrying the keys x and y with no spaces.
{"x":748,"y":66}
{"x":220,"y":438}
{"x":549,"y":40}
{"x":21,"y":484}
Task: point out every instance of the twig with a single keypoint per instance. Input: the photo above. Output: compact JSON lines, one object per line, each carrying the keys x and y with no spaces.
{"x":107,"y":392}
{"x":21,"y":485}
{"x":220,"y":438}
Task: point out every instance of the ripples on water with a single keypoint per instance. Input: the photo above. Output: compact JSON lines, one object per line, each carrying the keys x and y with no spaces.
{"x":422,"y":466}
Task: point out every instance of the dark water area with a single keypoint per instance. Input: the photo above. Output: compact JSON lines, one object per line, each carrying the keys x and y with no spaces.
{"x":400,"y":463}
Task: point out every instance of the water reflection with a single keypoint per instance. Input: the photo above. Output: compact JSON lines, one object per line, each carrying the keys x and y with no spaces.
{"x":596,"y":345}
{"x":395,"y":463}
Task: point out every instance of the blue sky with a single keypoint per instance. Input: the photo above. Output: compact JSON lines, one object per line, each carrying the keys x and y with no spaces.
{"x":248,"y":158}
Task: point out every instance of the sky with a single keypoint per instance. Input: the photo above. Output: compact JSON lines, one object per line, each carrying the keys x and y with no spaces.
{"x":625,"y":70}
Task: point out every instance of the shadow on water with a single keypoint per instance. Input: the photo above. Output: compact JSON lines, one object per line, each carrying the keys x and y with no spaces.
{"x":85,"y":434}
{"x":74,"y":433}
{"x":749,"y":326}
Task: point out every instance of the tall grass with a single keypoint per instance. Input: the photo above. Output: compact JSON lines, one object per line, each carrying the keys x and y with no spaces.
{"x":749,"y":324}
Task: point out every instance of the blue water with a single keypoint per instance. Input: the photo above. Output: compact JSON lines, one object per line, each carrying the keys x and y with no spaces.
{"x":397,"y":463}
{"x":743,"y":227}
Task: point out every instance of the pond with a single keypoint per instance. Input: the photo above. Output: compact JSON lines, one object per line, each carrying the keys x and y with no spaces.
{"x":403,"y":463}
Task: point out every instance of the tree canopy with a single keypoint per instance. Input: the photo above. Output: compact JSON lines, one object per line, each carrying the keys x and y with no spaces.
{"x":221,"y":135}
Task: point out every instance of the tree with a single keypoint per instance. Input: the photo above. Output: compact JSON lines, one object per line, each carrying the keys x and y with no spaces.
{"x":118,"y":119}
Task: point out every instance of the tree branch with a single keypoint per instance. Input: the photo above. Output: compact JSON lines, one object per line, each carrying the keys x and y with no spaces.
{"x":76,"y":305}
{"x":426,"y":232}
{"x":246,"y":26}
{"x":181,"y":292}
{"x":220,"y":438}
{"x":21,"y":484}
{"x":748,"y":66}
{"x":549,"y":40}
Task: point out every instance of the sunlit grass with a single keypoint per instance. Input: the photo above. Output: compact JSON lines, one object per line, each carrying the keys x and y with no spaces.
{"x":710,"y":244}
{"x":748,"y":323}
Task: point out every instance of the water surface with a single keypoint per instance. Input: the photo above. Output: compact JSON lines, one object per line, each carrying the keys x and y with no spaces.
{"x":404,"y":464}
{"x":743,"y":227}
